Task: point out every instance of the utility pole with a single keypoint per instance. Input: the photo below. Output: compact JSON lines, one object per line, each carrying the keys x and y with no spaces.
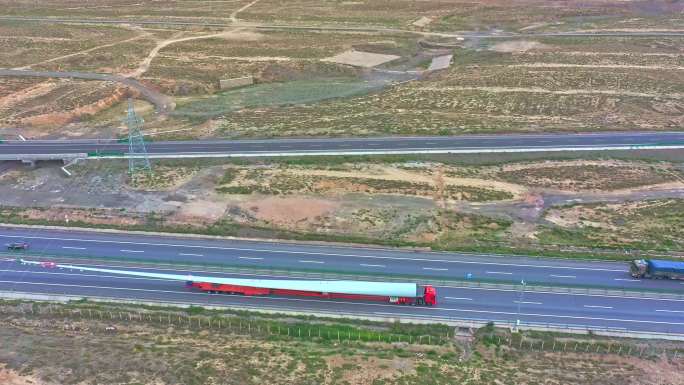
{"x":138,"y":160}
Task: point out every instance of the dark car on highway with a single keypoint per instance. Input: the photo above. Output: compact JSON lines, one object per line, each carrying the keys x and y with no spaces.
{"x":18,"y":246}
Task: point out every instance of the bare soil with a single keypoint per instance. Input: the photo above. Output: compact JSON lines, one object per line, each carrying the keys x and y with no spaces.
{"x":43,"y":349}
{"x":428,"y":203}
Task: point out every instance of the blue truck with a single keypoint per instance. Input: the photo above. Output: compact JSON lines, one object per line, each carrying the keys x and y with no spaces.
{"x":657,"y":268}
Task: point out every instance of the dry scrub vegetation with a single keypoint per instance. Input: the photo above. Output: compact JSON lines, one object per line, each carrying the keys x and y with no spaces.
{"x":575,"y":84}
{"x":62,"y":344}
{"x":536,"y":84}
{"x":652,"y":224}
{"x":449,"y":15}
{"x":394,"y":201}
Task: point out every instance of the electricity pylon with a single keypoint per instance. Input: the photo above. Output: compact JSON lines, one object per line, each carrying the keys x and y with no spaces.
{"x":138,"y":161}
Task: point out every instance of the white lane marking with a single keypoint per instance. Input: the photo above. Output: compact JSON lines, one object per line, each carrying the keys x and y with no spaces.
{"x":73,"y":247}
{"x":252,"y":258}
{"x":316,"y":253}
{"x":22,"y":138}
{"x":626,"y":279}
{"x":562,"y":276}
{"x":369,"y":265}
{"x":435,"y":268}
{"x":498,"y":272}
{"x":131,"y":251}
{"x":528,"y":302}
{"x":191,"y":255}
{"x":671,"y":311}
{"x":307,"y":261}
{"x":459,"y":298}
{"x":598,"y":307}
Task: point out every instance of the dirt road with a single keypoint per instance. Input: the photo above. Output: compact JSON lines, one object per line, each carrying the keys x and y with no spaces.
{"x":163,"y":103}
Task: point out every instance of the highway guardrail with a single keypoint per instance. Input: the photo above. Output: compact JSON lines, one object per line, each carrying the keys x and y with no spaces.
{"x":535,"y":287}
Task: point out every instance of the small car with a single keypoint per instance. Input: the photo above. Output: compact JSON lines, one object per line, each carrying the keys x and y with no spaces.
{"x":17,"y":246}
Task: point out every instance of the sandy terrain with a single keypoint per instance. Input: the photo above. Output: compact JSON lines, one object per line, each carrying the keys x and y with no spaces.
{"x":518,"y":46}
{"x":538,"y":90}
{"x":361,"y":59}
{"x":289,"y":211}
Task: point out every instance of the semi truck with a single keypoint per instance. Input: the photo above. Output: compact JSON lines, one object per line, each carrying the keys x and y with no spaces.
{"x":401,"y":293}
{"x":657,"y":269}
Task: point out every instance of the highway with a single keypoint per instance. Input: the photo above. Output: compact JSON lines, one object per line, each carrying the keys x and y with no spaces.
{"x":344,"y":28}
{"x":337,"y":146}
{"x":331,"y":258}
{"x":504,"y":306}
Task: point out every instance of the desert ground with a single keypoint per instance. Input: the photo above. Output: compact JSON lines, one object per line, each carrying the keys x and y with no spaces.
{"x":46,"y":344}
{"x":533,"y":82}
{"x":437,"y":203}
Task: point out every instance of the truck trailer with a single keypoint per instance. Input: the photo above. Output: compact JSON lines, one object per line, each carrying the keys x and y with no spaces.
{"x":392,"y":292}
{"x":410,"y":294}
{"x":657,"y":269}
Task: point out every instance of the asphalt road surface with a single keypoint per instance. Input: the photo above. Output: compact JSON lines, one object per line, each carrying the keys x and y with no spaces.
{"x":328,"y":258}
{"x":470,"y":143}
{"x":560,"y":310}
